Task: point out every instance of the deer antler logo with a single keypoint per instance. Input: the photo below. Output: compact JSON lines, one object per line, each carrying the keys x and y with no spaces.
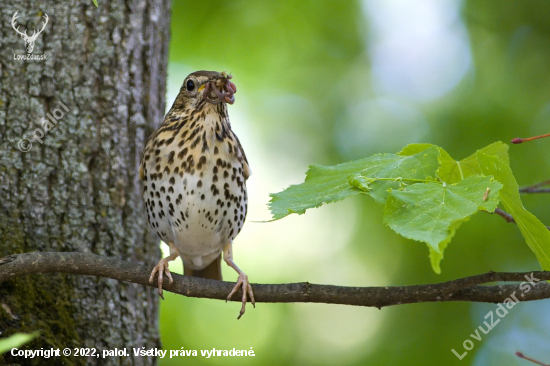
{"x":29,"y":40}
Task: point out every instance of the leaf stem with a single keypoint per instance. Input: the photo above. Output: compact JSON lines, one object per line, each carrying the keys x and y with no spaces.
{"x":460,"y":170}
{"x":400,"y":179}
{"x":415,"y":180}
{"x":363,"y":183}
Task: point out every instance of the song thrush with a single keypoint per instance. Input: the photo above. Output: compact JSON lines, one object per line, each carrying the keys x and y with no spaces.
{"x":194,"y":171}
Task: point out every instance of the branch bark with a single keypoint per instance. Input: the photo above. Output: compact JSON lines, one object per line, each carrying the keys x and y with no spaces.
{"x":464,"y":289}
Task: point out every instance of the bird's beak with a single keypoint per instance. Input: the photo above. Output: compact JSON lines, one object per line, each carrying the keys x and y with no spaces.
{"x":201,"y":88}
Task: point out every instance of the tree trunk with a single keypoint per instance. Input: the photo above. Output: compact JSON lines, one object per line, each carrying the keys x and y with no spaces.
{"x":86,"y":109}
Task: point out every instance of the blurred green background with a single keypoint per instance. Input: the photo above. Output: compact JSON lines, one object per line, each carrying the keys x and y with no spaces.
{"x":329,"y":81}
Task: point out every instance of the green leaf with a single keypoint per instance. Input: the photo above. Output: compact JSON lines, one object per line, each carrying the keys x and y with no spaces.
{"x":437,"y":257}
{"x":95,"y":3}
{"x":452,"y":171}
{"x":16,"y":340}
{"x":330,"y":184}
{"x":413,"y":149}
{"x":430,"y":212}
{"x":427,"y":193}
{"x":535,"y":233}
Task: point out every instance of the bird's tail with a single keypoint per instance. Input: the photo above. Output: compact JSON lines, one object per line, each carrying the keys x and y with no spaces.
{"x":213,"y":271}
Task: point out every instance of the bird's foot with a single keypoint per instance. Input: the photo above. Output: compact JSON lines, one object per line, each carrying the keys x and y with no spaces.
{"x":161,"y":268}
{"x":242,"y":283}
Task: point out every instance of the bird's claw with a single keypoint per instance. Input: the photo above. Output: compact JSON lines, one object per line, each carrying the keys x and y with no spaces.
{"x":161,"y":268}
{"x":242,"y":283}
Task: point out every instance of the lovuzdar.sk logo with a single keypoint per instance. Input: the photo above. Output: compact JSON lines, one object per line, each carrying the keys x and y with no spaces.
{"x":29,"y":40}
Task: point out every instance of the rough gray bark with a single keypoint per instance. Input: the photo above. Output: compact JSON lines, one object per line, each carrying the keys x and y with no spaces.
{"x":79,"y":190}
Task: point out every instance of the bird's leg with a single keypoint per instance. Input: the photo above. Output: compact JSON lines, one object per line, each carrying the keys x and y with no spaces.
{"x":242,"y":281}
{"x":162,"y":267}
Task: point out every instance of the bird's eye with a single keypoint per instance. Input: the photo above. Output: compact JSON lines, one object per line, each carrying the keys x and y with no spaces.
{"x":190,"y":85}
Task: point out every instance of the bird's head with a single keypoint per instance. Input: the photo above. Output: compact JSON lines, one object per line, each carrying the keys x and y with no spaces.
{"x":211,"y":86}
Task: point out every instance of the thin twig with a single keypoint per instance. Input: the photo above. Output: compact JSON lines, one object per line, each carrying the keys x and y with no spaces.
{"x":518,"y":140}
{"x":506,"y":216}
{"x":536,"y":188}
{"x":464,"y":289}
{"x":521,"y":355}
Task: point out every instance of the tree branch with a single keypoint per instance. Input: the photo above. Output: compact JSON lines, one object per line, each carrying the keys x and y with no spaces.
{"x":464,"y":289}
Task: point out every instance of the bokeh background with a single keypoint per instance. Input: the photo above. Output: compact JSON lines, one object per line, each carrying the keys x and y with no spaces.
{"x":329,"y":81}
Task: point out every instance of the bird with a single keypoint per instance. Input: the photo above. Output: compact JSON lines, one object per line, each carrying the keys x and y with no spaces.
{"x":194,"y":171}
